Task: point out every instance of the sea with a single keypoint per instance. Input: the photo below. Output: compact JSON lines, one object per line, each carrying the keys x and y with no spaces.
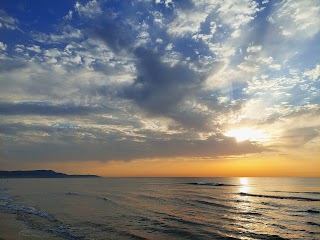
{"x":161,"y":208}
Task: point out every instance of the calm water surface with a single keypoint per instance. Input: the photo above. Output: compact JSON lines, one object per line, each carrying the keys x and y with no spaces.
{"x":166,"y":208}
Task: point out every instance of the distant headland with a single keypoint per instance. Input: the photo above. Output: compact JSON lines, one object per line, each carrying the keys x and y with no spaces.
{"x":40,"y":174}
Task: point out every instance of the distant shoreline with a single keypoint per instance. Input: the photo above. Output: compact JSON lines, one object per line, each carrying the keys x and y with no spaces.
{"x":41,"y":174}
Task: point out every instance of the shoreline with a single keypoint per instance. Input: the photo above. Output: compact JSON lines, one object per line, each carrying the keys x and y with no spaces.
{"x":14,"y":229}
{"x":11,"y":228}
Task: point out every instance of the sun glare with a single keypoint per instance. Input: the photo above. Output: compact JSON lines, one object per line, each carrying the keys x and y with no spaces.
{"x":243,"y":134}
{"x":244,"y":181}
{"x":244,"y":187}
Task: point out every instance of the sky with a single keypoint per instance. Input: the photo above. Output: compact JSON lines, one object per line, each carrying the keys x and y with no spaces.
{"x":161,"y":87}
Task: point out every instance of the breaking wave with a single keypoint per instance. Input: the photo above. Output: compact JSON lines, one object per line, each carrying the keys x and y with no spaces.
{"x":211,"y":184}
{"x":280,"y":197}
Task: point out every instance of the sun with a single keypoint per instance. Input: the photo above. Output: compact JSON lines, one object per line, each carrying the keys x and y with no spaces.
{"x":243,"y":134}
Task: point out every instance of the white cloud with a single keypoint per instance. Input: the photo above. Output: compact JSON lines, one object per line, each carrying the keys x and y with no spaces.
{"x":230,"y":13}
{"x":19,"y":48}
{"x":275,"y":66}
{"x":7,"y":21}
{"x":143,"y":36}
{"x":299,"y":18}
{"x":159,"y":40}
{"x":158,"y":18}
{"x":3,"y":46}
{"x":236,"y":33}
{"x":237,"y":13}
{"x":262,"y":60}
{"x":34,"y":48}
{"x":254,"y":49}
{"x":248,"y":67}
{"x":90,"y":10}
{"x":68,"y":16}
{"x":169,"y":47}
{"x":313,"y":73}
{"x":222,"y":50}
{"x":186,"y":22}
{"x":167,"y":3}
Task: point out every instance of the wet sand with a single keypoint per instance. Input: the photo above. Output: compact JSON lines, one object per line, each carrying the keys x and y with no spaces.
{"x":13,"y":229}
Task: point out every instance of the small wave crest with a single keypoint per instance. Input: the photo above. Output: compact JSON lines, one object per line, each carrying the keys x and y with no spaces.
{"x":211,"y":184}
{"x":272,"y":204}
{"x":315,"y":193}
{"x":107,"y":200}
{"x":213,"y":204}
{"x":3,"y":188}
{"x":72,"y":194}
{"x":280,"y":197}
{"x":313,"y":224}
{"x":311,"y":211}
{"x":29,"y":210}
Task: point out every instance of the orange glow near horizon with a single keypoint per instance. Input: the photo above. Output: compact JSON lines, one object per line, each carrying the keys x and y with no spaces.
{"x":224,"y":167}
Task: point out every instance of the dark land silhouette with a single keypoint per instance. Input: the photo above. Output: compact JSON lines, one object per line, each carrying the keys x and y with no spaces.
{"x":40,"y":174}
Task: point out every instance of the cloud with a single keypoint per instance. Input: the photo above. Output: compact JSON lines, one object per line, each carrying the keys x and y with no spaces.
{"x":9,"y":64}
{"x":186,"y":22}
{"x":254,"y":49}
{"x":3,"y":47}
{"x":238,"y":14}
{"x":34,"y":48}
{"x":116,"y":36}
{"x":91,"y":9}
{"x":7,"y":21}
{"x":67,"y":34}
{"x":159,"y":87}
{"x":34,"y":108}
{"x":298,"y":18}
{"x":144,"y":80}
{"x":313,"y":73}
{"x":71,"y":142}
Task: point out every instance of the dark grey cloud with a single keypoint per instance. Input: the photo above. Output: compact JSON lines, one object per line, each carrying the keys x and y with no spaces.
{"x":81,"y":144}
{"x":193,"y":119}
{"x":118,"y":37}
{"x":9,"y":64}
{"x":34,"y":108}
{"x":185,"y":4}
{"x":159,"y":87}
{"x":300,"y":136}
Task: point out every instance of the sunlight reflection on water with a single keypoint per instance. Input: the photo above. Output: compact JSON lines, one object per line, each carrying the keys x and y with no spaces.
{"x":244,"y":185}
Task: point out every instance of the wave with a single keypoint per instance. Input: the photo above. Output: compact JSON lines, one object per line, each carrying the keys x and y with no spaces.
{"x":41,"y":221}
{"x":313,"y":224}
{"x":280,"y":197}
{"x":3,"y":188}
{"x":249,"y":213}
{"x":30,"y":211}
{"x":213,"y":204}
{"x":221,"y":199}
{"x":107,"y":200}
{"x":272,"y":204}
{"x":263,"y":236}
{"x":148,"y":197}
{"x":72,"y":194}
{"x":316,"y":193}
{"x":4,"y":198}
{"x":211,"y":184}
{"x":311,"y":211}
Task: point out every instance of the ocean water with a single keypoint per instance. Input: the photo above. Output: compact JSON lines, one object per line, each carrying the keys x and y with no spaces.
{"x":164,"y":208}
